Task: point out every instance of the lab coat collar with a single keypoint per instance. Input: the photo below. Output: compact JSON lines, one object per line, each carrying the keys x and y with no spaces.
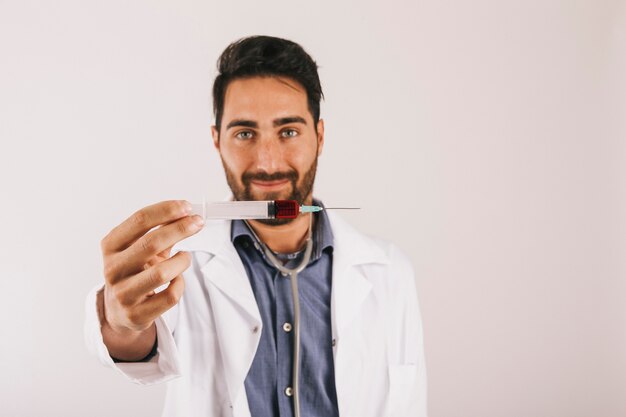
{"x":350,"y":286}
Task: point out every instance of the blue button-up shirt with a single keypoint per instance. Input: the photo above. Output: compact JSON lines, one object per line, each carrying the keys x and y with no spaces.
{"x":270,"y":375}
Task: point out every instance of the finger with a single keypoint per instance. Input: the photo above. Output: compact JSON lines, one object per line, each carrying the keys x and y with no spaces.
{"x":159,"y":257}
{"x":164,"y":254}
{"x":159,"y":303}
{"x":135,"y":289}
{"x":157,"y":241}
{"x":123,"y":235}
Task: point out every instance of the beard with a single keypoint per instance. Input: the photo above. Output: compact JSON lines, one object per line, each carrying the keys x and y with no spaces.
{"x":300,"y":190}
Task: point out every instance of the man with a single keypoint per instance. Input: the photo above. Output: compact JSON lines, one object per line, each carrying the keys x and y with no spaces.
{"x":221,"y":331}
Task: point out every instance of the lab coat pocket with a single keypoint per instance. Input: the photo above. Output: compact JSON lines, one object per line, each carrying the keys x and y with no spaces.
{"x":402,"y":383}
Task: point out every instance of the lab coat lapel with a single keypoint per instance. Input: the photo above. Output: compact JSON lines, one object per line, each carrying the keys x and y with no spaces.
{"x":352,"y":252}
{"x":226,"y":272}
{"x":237,"y":319}
{"x":350,"y":289}
{"x":350,"y":286}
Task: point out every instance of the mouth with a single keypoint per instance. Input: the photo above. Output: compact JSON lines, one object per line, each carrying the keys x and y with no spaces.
{"x":269,"y":185}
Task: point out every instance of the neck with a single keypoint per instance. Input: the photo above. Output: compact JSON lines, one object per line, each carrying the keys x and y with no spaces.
{"x":285,"y":238}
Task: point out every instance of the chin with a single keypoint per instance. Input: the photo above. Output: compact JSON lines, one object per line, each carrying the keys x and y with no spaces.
{"x":277,"y":195}
{"x":274,"y":222}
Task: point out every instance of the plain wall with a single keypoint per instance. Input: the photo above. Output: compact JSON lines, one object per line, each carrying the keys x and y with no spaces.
{"x":494,"y":129}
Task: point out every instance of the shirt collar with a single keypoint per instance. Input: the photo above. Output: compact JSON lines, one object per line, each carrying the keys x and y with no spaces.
{"x":322,"y":232}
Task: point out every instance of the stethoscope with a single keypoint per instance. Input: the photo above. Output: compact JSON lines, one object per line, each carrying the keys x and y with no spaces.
{"x":293,"y":274}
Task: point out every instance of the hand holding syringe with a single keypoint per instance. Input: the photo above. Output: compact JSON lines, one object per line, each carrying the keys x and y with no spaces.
{"x":137,"y":261}
{"x":267,"y":209}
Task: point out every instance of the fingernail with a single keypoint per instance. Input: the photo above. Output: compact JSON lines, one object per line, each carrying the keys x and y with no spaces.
{"x":198,"y":221}
{"x":187,"y":207}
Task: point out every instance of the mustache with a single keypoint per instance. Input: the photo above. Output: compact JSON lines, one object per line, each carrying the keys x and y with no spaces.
{"x":248,"y":177}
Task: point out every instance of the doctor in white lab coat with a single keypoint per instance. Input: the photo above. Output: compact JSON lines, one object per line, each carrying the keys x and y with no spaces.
{"x":183,"y":285}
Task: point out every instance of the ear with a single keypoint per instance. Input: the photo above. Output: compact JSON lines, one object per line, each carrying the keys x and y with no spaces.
{"x":216,"y":137}
{"x":320,"y":136}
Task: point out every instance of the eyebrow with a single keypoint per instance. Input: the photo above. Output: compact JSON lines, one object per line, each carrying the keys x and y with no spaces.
{"x":254,"y":125}
{"x":287,"y":120}
{"x":243,"y":123}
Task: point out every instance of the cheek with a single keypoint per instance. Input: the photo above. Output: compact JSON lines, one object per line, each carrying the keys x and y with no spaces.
{"x":301,"y":157}
{"x":302,"y":154}
{"x":235,"y":159}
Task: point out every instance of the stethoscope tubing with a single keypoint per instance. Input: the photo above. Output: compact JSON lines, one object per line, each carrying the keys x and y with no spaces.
{"x":295,"y":298}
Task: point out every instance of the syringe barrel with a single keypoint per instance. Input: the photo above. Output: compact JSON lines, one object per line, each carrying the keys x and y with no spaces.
{"x":231,"y":210}
{"x":265,"y":209}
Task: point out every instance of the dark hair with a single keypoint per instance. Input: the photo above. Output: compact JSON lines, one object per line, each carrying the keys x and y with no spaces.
{"x":266,"y":56}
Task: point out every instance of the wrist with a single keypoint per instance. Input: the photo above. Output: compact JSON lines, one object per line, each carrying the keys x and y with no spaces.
{"x":127,"y":344}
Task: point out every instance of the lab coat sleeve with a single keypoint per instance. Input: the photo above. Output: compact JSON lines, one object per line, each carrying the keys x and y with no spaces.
{"x":164,"y":366}
{"x":408,"y":374}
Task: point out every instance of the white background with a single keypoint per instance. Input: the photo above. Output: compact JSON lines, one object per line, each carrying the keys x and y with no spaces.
{"x":486,"y":138}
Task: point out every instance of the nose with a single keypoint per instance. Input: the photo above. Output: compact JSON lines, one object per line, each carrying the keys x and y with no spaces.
{"x":269,"y":155}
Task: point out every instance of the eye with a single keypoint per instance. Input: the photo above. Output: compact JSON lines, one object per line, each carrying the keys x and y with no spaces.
{"x":244,"y":134}
{"x":289,"y":133}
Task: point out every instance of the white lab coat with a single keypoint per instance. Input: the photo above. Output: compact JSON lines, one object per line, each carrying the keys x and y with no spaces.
{"x":208,"y":340}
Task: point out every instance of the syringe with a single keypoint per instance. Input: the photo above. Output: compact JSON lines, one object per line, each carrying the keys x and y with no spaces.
{"x":265,"y":209}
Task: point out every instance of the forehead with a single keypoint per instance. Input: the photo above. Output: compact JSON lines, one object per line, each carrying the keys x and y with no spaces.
{"x":257,"y":98}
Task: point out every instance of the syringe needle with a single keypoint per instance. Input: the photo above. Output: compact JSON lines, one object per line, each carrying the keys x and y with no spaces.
{"x":314,"y":209}
{"x":341,"y":208}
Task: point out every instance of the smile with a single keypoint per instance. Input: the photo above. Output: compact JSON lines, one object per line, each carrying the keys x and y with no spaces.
{"x":269,"y":184}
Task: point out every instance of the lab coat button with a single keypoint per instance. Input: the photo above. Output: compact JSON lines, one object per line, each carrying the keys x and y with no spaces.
{"x":334,"y":342}
{"x":288,"y":392}
{"x":287,"y":327}
{"x":255,"y":329}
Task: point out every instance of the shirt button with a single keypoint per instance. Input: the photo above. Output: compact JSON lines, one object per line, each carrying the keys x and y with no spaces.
{"x":287,"y":327}
{"x":288,"y":391}
{"x":334,"y":342}
{"x":255,"y":329}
